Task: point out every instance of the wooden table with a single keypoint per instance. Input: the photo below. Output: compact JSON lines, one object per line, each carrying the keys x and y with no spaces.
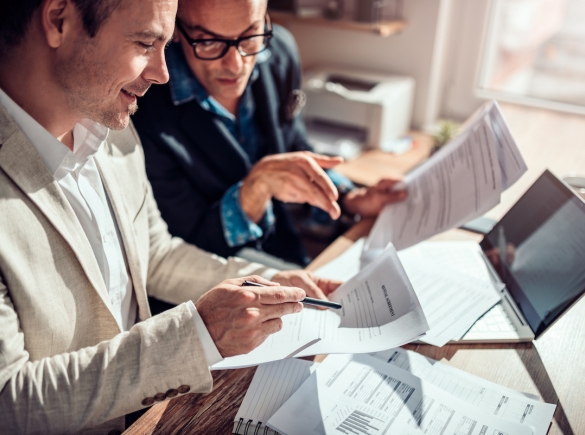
{"x":552,"y":367}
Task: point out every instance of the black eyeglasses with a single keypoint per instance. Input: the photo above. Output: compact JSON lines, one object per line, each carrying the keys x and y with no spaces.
{"x":216,"y":48}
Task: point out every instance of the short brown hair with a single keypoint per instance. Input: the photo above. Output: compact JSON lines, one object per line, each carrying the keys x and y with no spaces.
{"x":15,"y":17}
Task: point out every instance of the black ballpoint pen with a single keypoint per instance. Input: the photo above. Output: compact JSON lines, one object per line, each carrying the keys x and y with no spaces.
{"x":309,"y":301}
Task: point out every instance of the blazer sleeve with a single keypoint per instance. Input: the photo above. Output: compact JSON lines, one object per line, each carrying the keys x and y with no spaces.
{"x":70,"y":392}
{"x":179,"y":271}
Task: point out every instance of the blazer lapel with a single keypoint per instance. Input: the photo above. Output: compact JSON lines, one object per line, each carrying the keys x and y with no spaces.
{"x":268,"y":107}
{"x":113,"y":187}
{"x":22,"y":163}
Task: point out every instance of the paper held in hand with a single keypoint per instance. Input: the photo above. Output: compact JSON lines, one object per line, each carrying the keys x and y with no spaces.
{"x":380,"y":311}
{"x":462,"y":181}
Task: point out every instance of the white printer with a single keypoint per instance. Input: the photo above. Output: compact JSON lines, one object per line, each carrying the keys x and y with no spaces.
{"x":349,"y":110}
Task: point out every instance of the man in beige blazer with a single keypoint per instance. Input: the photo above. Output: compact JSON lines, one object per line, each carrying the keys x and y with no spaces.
{"x":81,"y":239}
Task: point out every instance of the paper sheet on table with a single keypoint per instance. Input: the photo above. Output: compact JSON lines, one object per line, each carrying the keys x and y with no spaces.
{"x":462,"y":181}
{"x":460,"y":258}
{"x":498,"y":400}
{"x":463,"y":257}
{"x":452,"y":301}
{"x":380,"y":311}
{"x":272,"y":385}
{"x":363,"y":395}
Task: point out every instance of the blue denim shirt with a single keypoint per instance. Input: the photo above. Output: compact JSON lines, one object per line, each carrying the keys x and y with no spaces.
{"x":238,"y":228}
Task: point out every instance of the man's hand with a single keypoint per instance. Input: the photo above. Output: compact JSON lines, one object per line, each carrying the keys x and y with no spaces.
{"x":290,"y":177}
{"x":240,"y":318}
{"x":368,"y":202}
{"x":314,"y":286}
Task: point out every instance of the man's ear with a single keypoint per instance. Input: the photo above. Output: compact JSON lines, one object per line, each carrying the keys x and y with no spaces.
{"x":58,"y":18}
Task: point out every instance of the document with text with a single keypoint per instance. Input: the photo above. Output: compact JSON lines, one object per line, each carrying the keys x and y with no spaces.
{"x":452,"y":301}
{"x":360,"y":394}
{"x":380,"y":311}
{"x":379,"y":307}
{"x":493,"y":398}
{"x":460,"y":182}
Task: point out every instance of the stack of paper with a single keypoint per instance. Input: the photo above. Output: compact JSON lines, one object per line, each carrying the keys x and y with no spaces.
{"x":272,"y":386}
{"x":380,"y":311}
{"x":452,"y":296}
{"x":495,"y":399}
{"x":462,"y":181}
{"x":397,"y":392}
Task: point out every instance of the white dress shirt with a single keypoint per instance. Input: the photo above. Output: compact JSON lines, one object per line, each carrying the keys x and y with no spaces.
{"x":78,"y":177}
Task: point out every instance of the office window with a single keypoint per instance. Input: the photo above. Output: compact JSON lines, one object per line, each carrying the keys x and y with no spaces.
{"x":535,"y":53}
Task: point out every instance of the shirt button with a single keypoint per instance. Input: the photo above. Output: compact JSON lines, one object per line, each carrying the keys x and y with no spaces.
{"x":184,"y":389}
{"x":171,"y":393}
{"x":160,"y":397}
{"x":148,"y":401}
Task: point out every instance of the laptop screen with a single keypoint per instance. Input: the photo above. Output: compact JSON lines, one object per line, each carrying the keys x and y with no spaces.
{"x":538,"y":249}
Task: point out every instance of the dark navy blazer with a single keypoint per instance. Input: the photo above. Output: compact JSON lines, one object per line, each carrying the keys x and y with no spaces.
{"x":191,"y":173}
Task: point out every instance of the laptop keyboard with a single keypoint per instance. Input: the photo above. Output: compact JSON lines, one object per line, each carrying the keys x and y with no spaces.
{"x":495,"y":320}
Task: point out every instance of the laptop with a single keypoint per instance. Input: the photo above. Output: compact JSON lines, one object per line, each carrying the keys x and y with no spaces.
{"x":537,"y":251}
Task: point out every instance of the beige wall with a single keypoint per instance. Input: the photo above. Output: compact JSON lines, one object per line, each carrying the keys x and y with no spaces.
{"x":409,"y":53}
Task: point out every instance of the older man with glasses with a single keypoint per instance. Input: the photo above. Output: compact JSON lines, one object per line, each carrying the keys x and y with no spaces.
{"x":224,"y":144}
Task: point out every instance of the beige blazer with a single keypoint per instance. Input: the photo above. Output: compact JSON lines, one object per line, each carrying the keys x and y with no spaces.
{"x":65,"y":366}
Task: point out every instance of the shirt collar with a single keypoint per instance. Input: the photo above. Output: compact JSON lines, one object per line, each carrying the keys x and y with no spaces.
{"x":88,"y":135}
{"x":185,"y":87}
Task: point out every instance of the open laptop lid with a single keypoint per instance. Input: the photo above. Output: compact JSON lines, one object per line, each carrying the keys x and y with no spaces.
{"x":538,"y":250}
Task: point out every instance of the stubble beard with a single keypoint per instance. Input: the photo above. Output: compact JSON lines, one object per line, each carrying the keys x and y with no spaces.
{"x":85,"y":82}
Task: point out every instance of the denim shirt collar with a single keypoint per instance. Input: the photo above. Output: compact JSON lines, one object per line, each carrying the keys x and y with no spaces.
{"x":185,"y":87}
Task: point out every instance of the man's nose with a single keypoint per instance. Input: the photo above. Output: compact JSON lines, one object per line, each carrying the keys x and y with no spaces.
{"x":233,"y":60}
{"x":156,"y":71}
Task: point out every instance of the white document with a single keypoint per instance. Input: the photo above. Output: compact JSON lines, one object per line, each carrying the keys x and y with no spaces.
{"x":462,"y":181}
{"x":272,"y":385}
{"x":452,"y":301}
{"x":463,"y":257}
{"x":380,"y":311}
{"x":379,"y":307}
{"x":359,"y":394}
{"x":492,"y":398}
{"x":450,"y":279}
{"x":511,"y":162}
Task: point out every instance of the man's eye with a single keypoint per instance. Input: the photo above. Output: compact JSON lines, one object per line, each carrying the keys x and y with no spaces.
{"x":147,"y":47}
{"x":209,"y":43}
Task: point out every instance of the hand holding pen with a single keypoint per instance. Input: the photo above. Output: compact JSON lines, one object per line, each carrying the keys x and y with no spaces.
{"x":240,"y":318}
{"x":308,"y":301}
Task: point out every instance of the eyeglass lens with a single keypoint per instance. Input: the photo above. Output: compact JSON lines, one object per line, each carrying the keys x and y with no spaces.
{"x":214,"y":49}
